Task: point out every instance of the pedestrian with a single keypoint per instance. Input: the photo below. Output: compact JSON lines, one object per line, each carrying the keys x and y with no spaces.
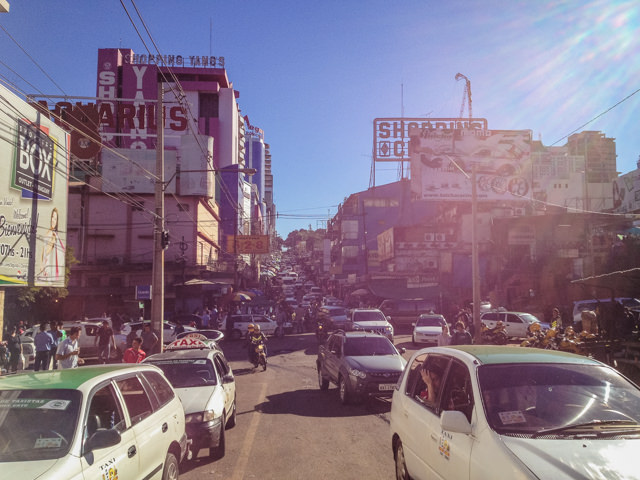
{"x":556,"y":319}
{"x":62,"y":331}
{"x":14,"y":345}
{"x":461,"y":336}
{"x":444,"y":338}
{"x":134,"y":354}
{"x":206,"y":317}
{"x":215,"y":317}
{"x":104,"y":339}
{"x":149,"y":338}
{"x":56,"y":334}
{"x":43,"y":343}
{"x":68,"y":353}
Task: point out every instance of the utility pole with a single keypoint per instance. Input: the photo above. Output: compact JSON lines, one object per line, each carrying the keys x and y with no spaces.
{"x":475,"y":266}
{"x":157,"y":281}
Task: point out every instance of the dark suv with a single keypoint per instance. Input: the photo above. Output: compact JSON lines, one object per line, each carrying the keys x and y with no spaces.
{"x":362,"y":364}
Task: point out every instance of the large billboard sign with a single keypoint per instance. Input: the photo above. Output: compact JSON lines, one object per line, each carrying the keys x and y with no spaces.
{"x":33,"y":196}
{"x":442,"y":161}
{"x":248,"y":243}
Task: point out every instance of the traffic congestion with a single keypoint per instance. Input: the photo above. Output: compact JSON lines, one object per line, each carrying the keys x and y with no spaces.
{"x":450,"y":401}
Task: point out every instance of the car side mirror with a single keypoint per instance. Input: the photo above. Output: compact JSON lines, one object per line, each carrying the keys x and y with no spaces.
{"x":403,"y":350}
{"x":413,"y":324}
{"x":102,"y":438}
{"x":455,"y":421}
{"x":228,"y":378}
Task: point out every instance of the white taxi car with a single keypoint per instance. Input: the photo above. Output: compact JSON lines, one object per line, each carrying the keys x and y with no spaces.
{"x":427,"y":328}
{"x":202,"y":378}
{"x":107,"y":421}
{"x":518,"y":413}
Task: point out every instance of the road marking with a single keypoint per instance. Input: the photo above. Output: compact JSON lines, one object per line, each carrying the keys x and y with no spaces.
{"x":243,"y":457}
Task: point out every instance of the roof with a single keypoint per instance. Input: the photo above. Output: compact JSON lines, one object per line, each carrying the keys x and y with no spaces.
{"x":500,"y":354}
{"x":71,"y":378}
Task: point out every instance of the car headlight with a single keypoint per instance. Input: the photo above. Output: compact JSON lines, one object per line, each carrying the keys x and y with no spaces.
{"x":357,"y":373}
{"x":355,"y":326}
{"x":388,"y":328}
{"x":200,"y":417}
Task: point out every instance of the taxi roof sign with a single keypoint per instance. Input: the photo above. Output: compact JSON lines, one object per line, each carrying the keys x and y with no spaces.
{"x":187,"y":343}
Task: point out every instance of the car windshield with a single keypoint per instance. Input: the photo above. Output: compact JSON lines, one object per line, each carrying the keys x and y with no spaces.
{"x":560,"y":398}
{"x":367,"y":346}
{"x":372,"y":316}
{"x":429,"y":322}
{"x":187,"y":372}
{"x":337,"y":312}
{"x":37,"y":424}
{"x":528,"y":318}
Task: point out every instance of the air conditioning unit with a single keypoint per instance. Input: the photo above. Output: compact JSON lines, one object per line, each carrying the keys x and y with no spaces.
{"x":440,"y":237}
{"x":519,"y":211}
{"x":429,"y":237}
{"x":432,"y":264}
{"x":117,"y":260}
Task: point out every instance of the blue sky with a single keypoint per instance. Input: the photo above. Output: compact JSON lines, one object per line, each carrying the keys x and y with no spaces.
{"x":314,"y":75}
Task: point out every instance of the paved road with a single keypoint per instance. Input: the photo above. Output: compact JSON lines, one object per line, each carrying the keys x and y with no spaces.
{"x":288,"y":429}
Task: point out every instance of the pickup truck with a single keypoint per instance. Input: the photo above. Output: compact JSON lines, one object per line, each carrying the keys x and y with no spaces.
{"x":361,"y":364}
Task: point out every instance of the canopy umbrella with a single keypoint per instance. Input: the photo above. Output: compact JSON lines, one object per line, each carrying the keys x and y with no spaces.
{"x":241,"y":297}
{"x":360,"y":292}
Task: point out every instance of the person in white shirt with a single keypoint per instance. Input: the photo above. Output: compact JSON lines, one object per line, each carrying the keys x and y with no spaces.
{"x":444,"y":338}
{"x":68,"y":354}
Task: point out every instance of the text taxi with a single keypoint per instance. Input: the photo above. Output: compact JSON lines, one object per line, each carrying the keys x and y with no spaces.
{"x":107,"y":422}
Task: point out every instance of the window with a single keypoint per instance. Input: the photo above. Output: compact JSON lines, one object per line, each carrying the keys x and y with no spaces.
{"x":512,"y":318}
{"x":135,"y":398}
{"x":105,"y":411}
{"x":208,"y":105}
{"x":457,"y":392}
{"x":350,"y":251}
{"x":416,"y":387}
{"x":161,"y":388}
{"x":221,"y":366}
{"x":350,"y":229}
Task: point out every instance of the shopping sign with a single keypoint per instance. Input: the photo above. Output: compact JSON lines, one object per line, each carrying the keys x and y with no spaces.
{"x":248,"y":243}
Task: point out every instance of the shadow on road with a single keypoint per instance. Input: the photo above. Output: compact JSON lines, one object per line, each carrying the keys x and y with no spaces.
{"x":317,"y":403}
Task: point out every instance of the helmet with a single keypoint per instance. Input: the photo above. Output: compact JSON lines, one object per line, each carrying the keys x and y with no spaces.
{"x":534,"y":327}
{"x":251,"y":327}
{"x":257,"y":327}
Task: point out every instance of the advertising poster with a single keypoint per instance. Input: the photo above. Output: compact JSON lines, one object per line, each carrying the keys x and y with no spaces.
{"x":442,"y":160}
{"x":33,"y":196}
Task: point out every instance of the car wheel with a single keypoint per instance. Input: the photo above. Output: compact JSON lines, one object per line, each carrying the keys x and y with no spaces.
{"x":170,"y":471}
{"x":323,"y":383}
{"x":232,"y":418}
{"x":236,"y":334}
{"x":345,"y":395}
{"x":216,"y":453}
{"x":401,"y":464}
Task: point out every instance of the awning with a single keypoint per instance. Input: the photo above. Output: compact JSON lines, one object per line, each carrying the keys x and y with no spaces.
{"x":200,"y":281}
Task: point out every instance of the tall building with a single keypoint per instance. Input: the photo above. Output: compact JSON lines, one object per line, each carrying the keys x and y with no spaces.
{"x":112,"y":206}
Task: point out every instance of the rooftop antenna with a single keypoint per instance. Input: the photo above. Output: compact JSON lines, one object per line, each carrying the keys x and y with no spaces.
{"x":466,"y":96}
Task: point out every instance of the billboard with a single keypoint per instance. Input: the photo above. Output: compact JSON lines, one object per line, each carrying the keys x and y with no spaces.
{"x":133,"y":171}
{"x":33,"y":196}
{"x":442,"y":160}
{"x":248,"y":244}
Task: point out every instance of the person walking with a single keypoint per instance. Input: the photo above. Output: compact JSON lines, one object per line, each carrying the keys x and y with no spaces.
{"x":68,"y":353}
{"x":104,"y":339}
{"x":461,"y":336}
{"x":149,"y":338}
{"x":134,"y":354}
{"x":43,"y":343}
{"x":56,"y":334}
{"x":14,"y":345}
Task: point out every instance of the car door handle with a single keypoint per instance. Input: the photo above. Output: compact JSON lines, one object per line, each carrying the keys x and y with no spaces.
{"x":165,"y":427}
{"x":132,"y":451}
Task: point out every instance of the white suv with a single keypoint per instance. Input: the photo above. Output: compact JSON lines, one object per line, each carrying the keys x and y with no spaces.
{"x":107,"y":421}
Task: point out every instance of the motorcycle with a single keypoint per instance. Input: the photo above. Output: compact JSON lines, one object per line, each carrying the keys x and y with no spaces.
{"x":321,"y":333}
{"x":260,"y":356}
{"x":496,"y":335}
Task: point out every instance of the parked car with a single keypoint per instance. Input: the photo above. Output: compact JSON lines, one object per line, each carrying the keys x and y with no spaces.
{"x":501,"y":412}
{"x":268,"y":326}
{"x":106,"y":421}
{"x":427,"y":328}
{"x":516,"y":323}
{"x":370,"y":320}
{"x":201,"y":376}
{"x":169,"y":334}
{"x":29,"y":355}
{"x":362,"y":364}
{"x":87,"y":340}
{"x":333,"y":317}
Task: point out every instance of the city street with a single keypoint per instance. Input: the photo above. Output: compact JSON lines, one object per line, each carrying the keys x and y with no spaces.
{"x":288,"y":428}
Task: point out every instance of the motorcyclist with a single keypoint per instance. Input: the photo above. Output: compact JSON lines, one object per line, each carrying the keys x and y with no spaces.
{"x":254,"y":338}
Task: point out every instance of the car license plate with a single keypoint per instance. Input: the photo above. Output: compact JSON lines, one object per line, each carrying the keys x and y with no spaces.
{"x":386,"y":386}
